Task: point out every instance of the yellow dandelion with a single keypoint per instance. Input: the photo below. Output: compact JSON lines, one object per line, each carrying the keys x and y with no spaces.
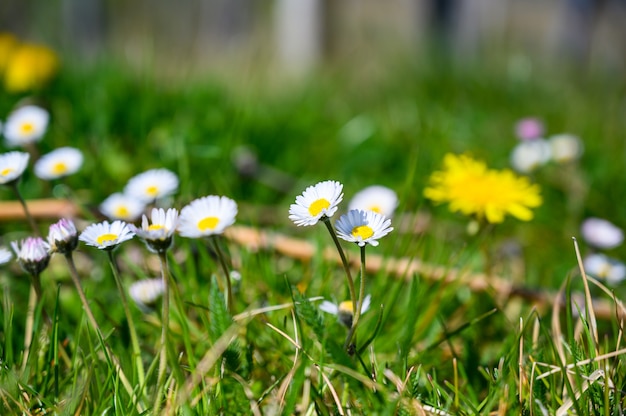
{"x":30,"y":67}
{"x":470,"y":188}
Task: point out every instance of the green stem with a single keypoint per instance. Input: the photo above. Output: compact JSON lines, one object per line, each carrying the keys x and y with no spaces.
{"x":29,"y":217}
{"x":165,"y":323}
{"x":222,"y":260}
{"x":131,"y":325}
{"x":30,"y":323}
{"x":357,"y":314}
{"x":344,"y":261}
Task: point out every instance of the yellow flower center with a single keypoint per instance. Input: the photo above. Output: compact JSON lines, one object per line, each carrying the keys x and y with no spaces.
{"x":362,"y":231}
{"x":121,"y":212}
{"x":152,"y":190}
{"x":6,"y":171}
{"x":59,"y":168}
{"x":316,"y":207}
{"x":106,"y":238}
{"x":208,"y":223}
{"x":346,"y":307}
{"x":376,"y":209}
{"x":27,"y":128}
{"x":155,"y":227}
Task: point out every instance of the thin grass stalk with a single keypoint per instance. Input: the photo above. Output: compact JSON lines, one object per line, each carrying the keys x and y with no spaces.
{"x":222,"y":261}
{"x":344,"y":261}
{"x":131,"y":325}
{"x":165,"y":323}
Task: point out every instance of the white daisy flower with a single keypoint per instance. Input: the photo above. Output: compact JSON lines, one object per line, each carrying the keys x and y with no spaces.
{"x":343,"y":310}
{"x":33,"y":254}
{"x":207,"y":216}
{"x":375,"y":198}
{"x":61,"y":162}
{"x":363,"y":227}
{"x":152,"y":184}
{"x":5,"y":255}
{"x":316,"y":202}
{"x":62,"y":236}
{"x":105,"y":235}
{"x":158,"y":235}
{"x":601,"y":233}
{"x":146,"y":292}
{"x":565,"y":148}
{"x":12,"y":166}
{"x":530,"y":154}
{"x":120,"y":206}
{"x":26,"y":125}
{"x":606,"y":268}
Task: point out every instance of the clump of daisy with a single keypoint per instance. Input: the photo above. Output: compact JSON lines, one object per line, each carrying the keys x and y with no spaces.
{"x":119,"y":206}
{"x":105,"y":235}
{"x":152,"y":185}
{"x":316,"y":202}
{"x":344,"y":310}
{"x":601,"y":233}
{"x":62,"y":236}
{"x":362,"y":228}
{"x":26,"y":125}
{"x":529,"y":128}
{"x":61,"y":162}
{"x":606,"y":268}
{"x":565,"y":148}
{"x":375,"y":198}
{"x":146,"y":292}
{"x":489,"y":195}
{"x":158,"y":232}
{"x":529,"y":155}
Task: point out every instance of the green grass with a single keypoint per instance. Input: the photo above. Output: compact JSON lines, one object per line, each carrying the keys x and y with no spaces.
{"x":437,"y":345}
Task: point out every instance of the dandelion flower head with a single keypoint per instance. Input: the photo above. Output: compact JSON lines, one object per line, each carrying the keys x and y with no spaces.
{"x":29,"y":67}
{"x":469,"y":187}
{"x":316,"y":202}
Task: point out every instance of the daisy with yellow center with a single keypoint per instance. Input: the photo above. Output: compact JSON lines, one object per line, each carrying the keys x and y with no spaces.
{"x":146,"y":292}
{"x":363,"y":227}
{"x":152,"y":185}
{"x":605,"y":268}
{"x":26,"y":125}
{"x":158,"y":233}
{"x":375,"y":198}
{"x":344,"y":310}
{"x":61,"y":162}
{"x":12,"y":166}
{"x":469,"y":187}
{"x":105,"y":235}
{"x":119,"y":206}
{"x":206,"y":216}
{"x":316,"y":202}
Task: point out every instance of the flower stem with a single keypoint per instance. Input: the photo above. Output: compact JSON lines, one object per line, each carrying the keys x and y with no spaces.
{"x":96,"y":327}
{"x":357,"y":314}
{"x":222,"y":260}
{"x":29,"y":217}
{"x":165,"y":323}
{"x":30,"y":323}
{"x":131,"y":325}
{"x":344,"y":261}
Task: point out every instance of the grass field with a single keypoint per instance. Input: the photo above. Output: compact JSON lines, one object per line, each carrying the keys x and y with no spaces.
{"x":492,"y":337}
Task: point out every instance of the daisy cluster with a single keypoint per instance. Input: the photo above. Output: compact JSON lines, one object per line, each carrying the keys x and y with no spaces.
{"x":534,"y":151}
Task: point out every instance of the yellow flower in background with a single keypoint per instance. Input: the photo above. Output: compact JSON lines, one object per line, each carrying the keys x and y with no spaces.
{"x":8,"y":43}
{"x":469,"y":187}
{"x":30,"y":66}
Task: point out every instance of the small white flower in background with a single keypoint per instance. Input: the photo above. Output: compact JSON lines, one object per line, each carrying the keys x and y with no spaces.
{"x":529,"y":155}
{"x":12,"y":166}
{"x":158,"y":234}
{"x":601,"y":233}
{"x":152,"y":185}
{"x":209,"y":215}
{"x":63,"y":161}
{"x":146,"y":292}
{"x":316,"y":201}
{"x":529,"y":128}
{"x":105,"y":235}
{"x":62,"y":236}
{"x":26,"y":125}
{"x":32,"y":254}
{"x":375,"y":198}
{"x":605,"y":268}
{"x":363,"y":227}
{"x":119,"y":206}
{"x":565,"y":148}
{"x":343,"y":310}
{"x":5,"y":255}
